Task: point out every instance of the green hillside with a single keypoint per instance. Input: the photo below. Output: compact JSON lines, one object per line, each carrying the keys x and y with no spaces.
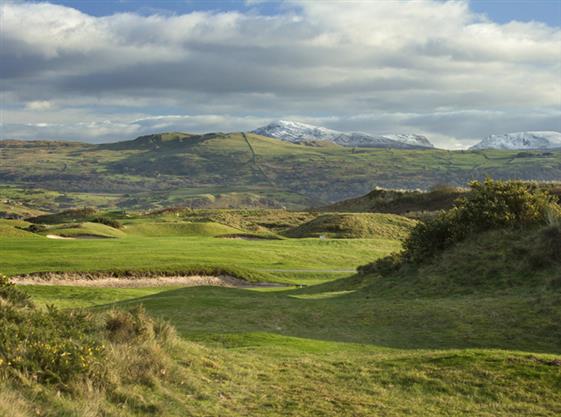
{"x":361,"y":225}
{"x":228,"y":170}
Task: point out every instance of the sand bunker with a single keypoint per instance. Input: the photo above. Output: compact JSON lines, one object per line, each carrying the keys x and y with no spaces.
{"x":59,"y":237}
{"x":99,"y":280}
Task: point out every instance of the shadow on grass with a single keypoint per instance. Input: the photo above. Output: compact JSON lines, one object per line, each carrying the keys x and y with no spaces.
{"x":229,"y":316}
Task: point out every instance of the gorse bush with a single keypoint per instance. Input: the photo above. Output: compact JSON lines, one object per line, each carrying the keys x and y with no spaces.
{"x":10,"y":294}
{"x":489,"y":205}
{"x":64,"y":348}
{"x":49,"y":345}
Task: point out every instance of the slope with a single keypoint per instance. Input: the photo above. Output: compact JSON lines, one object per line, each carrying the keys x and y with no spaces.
{"x":221,"y":169}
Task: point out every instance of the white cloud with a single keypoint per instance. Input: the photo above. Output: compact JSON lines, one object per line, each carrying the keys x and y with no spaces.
{"x":38,"y":105}
{"x":455,"y":74}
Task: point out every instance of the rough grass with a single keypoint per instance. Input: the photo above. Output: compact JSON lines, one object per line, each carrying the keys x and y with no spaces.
{"x":355,"y":226}
{"x":402,"y":202}
{"x":475,"y":332}
{"x":364,"y":354}
{"x":14,"y":228}
{"x":497,"y":260}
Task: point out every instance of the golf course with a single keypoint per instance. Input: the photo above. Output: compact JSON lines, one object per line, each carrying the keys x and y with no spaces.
{"x":273,"y":312}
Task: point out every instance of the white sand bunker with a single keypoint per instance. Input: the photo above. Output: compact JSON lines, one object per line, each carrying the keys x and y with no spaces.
{"x":100,"y":280}
{"x":59,"y":237}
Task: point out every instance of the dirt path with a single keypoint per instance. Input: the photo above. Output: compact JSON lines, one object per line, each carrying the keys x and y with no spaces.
{"x":85,"y":280}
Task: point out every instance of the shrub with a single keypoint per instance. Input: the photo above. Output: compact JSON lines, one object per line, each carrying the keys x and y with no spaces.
{"x":116,"y":224}
{"x":9,"y":293}
{"x":124,"y":326}
{"x":36,"y":228}
{"x":489,"y":205}
{"x":49,"y":346}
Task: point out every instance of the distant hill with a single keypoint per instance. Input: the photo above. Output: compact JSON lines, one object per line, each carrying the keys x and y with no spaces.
{"x":399,"y":201}
{"x":413,"y":203}
{"x":521,"y":141}
{"x":296,"y":132}
{"x":229,"y":170}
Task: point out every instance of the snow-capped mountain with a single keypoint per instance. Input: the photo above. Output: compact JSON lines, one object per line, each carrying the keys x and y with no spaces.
{"x":521,"y":140}
{"x":296,"y":132}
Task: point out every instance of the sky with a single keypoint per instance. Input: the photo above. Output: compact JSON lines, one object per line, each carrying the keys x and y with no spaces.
{"x":455,"y":71}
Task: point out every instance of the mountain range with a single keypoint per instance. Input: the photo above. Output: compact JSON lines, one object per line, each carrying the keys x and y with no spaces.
{"x":521,"y":140}
{"x":296,"y":132}
{"x":243,"y":170}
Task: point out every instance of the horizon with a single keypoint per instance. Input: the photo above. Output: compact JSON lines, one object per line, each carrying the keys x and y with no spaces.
{"x":101,"y":72}
{"x":468,"y":147}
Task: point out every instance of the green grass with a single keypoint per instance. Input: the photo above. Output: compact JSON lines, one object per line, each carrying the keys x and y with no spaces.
{"x":147,"y":228}
{"x":361,"y":225}
{"x":174,"y":253}
{"x":65,"y":296}
{"x":87,"y":229}
{"x":528,"y":322}
{"x":346,"y":353}
{"x":221,"y":171}
{"x":13,"y":229}
{"x":473,"y":332}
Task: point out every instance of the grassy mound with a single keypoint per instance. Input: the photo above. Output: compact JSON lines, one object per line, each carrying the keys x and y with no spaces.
{"x":67,"y":216}
{"x":367,"y":355}
{"x":84,"y":230}
{"x":257,"y":220}
{"x":14,"y":228}
{"x":362,"y":225}
{"x":497,"y":260}
{"x":400,"y":202}
{"x":179,"y":229}
{"x":501,"y":235}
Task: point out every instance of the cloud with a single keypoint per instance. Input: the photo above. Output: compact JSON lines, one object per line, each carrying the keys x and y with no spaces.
{"x":38,"y":105}
{"x":101,"y":131}
{"x":432,"y":67}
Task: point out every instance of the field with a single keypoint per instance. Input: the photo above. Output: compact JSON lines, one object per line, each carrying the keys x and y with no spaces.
{"x":475,"y":331}
{"x":190,"y":241}
{"x":270,"y":257}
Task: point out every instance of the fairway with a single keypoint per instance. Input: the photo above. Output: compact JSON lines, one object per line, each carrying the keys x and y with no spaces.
{"x":324,"y":259}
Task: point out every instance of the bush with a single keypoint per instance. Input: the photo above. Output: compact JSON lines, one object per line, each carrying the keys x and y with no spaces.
{"x":489,"y":205}
{"x":37,"y":228}
{"x":116,"y":224}
{"x":9,"y":293}
{"x":124,"y":326}
{"x":49,"y":346}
